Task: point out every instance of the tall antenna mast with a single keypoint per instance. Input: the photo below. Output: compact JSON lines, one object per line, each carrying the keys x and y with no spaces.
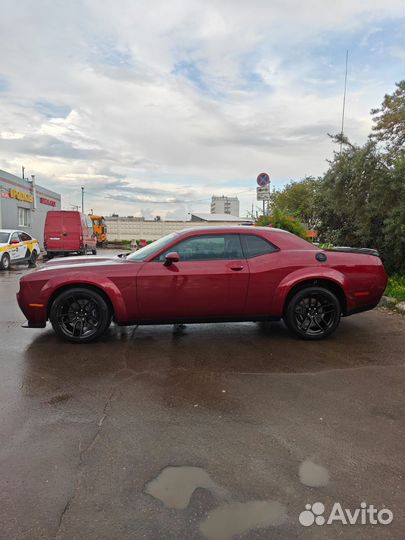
{"x":344,"y":103}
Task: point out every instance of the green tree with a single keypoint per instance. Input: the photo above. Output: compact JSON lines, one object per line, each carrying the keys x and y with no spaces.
{"x":389,"y":119}
{"x":361,"y":201}
{"x":300,"y":200}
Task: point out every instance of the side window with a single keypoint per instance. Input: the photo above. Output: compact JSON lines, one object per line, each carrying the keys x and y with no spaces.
{"x":24,"y":237}
{"x":24,"y":217}
{"x":255,"y":246}
{"x":208,"y":248}
{"x":14,"y":236}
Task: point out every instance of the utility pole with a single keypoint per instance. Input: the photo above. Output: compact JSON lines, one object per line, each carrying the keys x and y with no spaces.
{"x":82,"y":200}
{"x":344,"y":103}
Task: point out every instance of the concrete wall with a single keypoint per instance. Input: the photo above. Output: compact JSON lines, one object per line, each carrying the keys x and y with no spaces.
{"x":130,"y":229}
{"x":9,"y":205}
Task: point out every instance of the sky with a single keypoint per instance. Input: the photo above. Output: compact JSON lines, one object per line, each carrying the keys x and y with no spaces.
{"x":154,"y":106}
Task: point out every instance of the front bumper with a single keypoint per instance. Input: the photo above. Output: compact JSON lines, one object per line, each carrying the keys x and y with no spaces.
{"x":36,"y":314}
{"x":33,"y":324}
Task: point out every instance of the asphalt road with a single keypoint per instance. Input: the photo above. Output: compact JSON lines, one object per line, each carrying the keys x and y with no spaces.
{"x":220,"y":431}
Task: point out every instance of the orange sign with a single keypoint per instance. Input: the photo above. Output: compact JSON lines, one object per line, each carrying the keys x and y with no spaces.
{"x":21,"y":195}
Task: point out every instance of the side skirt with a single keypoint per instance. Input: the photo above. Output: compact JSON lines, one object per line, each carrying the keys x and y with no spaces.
{"x":197,"y":320}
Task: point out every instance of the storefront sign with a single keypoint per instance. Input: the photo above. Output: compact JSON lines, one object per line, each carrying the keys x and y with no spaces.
{"x":21,"y":195}
{"x":49,"y":202}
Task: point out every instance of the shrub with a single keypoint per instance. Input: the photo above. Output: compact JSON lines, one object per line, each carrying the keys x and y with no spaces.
{"x":396,"y":287}
{"x":282,"y":220}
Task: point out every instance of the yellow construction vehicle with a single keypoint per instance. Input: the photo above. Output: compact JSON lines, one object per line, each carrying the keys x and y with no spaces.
{"x":99,"y":229}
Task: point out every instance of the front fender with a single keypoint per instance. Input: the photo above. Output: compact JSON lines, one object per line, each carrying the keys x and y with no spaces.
{"x":300,"y":276}
{"x":105,"y":285}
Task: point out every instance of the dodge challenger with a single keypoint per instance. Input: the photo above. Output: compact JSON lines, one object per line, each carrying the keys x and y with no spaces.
{"x":206,"y":274}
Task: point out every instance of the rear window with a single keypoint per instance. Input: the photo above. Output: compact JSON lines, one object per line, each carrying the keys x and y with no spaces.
{"x":254,"y":246}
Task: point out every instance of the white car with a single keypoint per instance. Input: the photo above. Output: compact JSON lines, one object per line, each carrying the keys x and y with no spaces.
{"x":17,"y":247}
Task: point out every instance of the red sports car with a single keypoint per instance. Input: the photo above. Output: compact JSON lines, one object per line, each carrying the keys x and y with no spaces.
{"x":204,"y":275}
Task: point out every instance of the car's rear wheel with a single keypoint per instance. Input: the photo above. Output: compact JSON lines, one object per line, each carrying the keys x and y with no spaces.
{"x":80,"y":315}
{"x":5,"y":261}
{"x":313,"y":313}
{"x":94,"y":251}
{"x":32,"y":261}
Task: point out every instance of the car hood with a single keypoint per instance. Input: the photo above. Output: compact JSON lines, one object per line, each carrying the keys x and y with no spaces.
{"x":75,"y":263}
{"x":84,"y":259}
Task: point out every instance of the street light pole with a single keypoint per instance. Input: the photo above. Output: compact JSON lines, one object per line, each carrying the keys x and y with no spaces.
{"x":344,"y":104}
{"x":82,"y":200}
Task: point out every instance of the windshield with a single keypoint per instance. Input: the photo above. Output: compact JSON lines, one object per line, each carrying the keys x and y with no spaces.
{"x":4,"y":237}
{"x":152,"y":248}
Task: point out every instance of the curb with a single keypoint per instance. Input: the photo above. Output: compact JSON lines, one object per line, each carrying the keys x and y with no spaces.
{"x":392,"y":303}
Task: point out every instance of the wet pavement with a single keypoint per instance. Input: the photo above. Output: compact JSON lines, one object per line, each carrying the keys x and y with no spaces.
{"x":219,"y":431}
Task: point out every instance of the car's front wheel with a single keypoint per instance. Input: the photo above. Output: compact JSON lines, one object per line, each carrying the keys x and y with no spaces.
{"x":313,"y":313}
{"x":5,"y":261}
{"x":80,"y":315}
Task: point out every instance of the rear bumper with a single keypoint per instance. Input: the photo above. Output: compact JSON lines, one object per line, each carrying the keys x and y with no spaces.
{"x":360,"y":309}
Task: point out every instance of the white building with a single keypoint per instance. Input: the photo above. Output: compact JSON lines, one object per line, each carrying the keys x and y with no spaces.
{"x":225,"y":205}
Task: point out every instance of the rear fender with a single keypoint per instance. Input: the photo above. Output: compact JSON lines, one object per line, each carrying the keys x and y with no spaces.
{"x":300,"y":276}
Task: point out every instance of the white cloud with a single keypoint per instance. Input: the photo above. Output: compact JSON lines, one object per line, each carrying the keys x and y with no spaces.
{"x":184,"y":93}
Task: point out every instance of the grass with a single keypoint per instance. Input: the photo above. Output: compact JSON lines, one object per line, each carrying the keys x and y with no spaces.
{"x":396,"y":287}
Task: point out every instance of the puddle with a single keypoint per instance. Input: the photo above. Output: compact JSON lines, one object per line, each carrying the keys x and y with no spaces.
{"x":232,"y":519}
{"x":175,"y":485}
{"x":313,"y":475}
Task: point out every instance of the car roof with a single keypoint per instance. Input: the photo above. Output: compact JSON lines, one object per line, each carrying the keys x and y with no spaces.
{"x":14,"y":230}
{"x":231,"y":228}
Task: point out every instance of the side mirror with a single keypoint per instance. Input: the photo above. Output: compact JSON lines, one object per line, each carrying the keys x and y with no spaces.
{"x":171,"y":258}
{"x":15,"y":241}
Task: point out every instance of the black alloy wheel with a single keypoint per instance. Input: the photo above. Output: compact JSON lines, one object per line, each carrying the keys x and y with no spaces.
{"x":80,"y":315}
{"x":313,"y":313}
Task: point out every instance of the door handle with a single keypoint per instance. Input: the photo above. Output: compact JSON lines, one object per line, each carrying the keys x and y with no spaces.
{"x":236,"y":268}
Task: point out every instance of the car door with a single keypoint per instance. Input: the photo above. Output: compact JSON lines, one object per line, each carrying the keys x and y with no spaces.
{"x":15,"y":250}
{"x":72,"y":231}
{"x":28,"y":243}
{"x":266,"y":268}
{"x":209,"y":280}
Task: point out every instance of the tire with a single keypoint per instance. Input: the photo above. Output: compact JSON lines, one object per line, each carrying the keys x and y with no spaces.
{"x":80,"y":315}
{"x":5,"y":262}
{"x":32,"y":262}
{"x":49,"y":255}
{"x":94,"y":252}
{"x":313,"y":313}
